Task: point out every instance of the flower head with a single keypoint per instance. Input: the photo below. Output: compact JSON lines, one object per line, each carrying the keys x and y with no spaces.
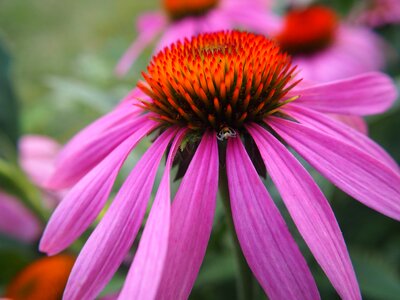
{"x":326,"y":48}
{"x":217,"y":80}
{"x":308,"y":30}
{"x":213,"y":89}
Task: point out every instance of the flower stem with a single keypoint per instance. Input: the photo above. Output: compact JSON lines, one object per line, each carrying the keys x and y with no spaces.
{"x":245,"y":279}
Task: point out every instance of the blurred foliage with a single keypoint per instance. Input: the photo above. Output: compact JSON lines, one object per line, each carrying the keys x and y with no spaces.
{"x":9,"y":121}
{"x":63,"y":55}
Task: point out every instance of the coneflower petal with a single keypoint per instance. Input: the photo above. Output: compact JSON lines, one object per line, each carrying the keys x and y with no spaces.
{"x":191,"y":222}
{"x":310,"y":211}
{"x":110,"y":241}
{"x":149,"y":25}
{"x":337,"y":129}
{"x":78,"y":163}
{"x":366,"y":94}
{"x":356,"y":122}
{"x":85,"y":200}
{"x":360,"y":175}
{"x":145,"y":272}
{"x":270,"y":250}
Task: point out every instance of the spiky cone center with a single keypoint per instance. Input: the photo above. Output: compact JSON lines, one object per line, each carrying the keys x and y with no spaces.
{"x":178,"y":9}
{"x":308,"y":30}
{"x":218,"y":81}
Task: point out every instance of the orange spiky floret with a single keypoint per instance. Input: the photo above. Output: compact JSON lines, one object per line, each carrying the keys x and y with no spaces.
{"x":178,"y":9}
{"x":218,"y":79}
{"x":308,"y":30}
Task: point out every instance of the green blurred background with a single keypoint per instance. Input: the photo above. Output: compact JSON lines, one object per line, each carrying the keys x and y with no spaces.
{"x":61,"y":55}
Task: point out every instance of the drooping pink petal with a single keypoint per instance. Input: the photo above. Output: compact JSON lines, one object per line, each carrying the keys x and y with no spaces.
{"x":191,"y":222}
{"x":110,"y":241}
{"x":16,"y":220}
{"x":149,"y":25}
{"x":270,"y":250}
{"x":85,"y":200}
{"x":78,"y":163}
{"x":360,"y":175}
{"x":310,"y":211}
{"x":366,"y":94}
{"x":344,"y":133}
{"x":146,"y":270}
{"x":356,"y":122}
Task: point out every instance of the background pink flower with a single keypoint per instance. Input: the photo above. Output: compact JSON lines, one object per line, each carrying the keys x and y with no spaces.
{"x":325,"y":48}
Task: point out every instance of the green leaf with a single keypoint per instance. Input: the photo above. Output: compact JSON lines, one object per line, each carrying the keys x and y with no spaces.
{"x":14,"y":255}
{"x":115,"y":285}
{"x":9,"y":126}
{"x":14,"y":181}
{"x":377,"y":278}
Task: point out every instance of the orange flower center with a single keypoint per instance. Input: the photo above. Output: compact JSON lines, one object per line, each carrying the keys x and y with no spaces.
{"x":218,"y":80}
{"x":44,"y":279}
{"x":308,"y":30}
{"x":178,"y":9}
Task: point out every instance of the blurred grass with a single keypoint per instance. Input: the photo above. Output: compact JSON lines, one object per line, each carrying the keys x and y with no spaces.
{"x":52,"y":38}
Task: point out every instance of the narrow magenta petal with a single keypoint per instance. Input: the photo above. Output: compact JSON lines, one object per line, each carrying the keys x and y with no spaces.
{"x":366,"y":94}
{"x":100,"y":125}
{"x":145,"y":272}
{"x":85,"y":200}
{"x":270,"y":250}
{"x":356,"y":122}
{"x":339,"y":130}
{"x":80,"y":160}
{"x":110,"y":241}
{"x":310,"y":211}
{"x":191,"y":222}
{"x":16,"y":220}
{"x":148,"y":27}
{"x":360,"y":175}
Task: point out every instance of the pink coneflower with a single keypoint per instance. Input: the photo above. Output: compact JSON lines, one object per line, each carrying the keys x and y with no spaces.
{"x":377,"y":13}
{"x":325,"y":49}
{"x":206,"y":97}
{"x":182,"y":18}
